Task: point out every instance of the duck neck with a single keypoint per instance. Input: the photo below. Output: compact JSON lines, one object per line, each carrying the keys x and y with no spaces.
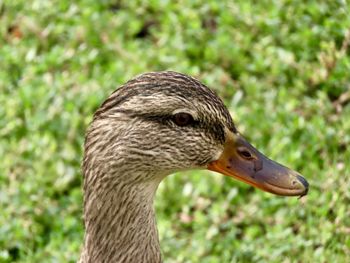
{"x":119,"y":219}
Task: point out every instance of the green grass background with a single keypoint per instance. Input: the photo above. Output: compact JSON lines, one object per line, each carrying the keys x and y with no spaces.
{"x":283,"y":69}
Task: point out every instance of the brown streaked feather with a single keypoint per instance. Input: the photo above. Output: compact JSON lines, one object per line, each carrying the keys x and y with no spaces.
{"x":130,"y":146}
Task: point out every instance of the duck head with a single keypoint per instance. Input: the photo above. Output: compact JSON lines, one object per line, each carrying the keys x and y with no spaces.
{"x":164,"y":122}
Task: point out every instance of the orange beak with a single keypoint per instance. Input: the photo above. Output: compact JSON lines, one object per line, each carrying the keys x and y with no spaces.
{"x":242,"y":161}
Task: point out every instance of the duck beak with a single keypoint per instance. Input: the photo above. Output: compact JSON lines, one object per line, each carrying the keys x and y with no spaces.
{"x":242,"y":161}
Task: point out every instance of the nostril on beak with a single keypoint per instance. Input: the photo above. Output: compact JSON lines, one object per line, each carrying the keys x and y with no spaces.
{"x":303,"y":181}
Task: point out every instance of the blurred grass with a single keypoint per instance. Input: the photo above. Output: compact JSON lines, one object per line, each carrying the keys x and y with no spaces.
{"x":283,"y":68}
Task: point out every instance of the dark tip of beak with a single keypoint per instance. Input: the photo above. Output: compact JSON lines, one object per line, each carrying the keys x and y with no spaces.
{"x":303,"y":181}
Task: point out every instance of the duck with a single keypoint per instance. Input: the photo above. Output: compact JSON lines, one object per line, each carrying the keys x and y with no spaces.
{"x":156,"y":124}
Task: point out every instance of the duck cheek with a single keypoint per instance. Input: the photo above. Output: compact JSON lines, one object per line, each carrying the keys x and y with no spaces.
{"x":206,"y":155}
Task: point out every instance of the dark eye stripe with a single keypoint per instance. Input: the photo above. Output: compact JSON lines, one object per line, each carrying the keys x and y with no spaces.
{"x":213,"y":129}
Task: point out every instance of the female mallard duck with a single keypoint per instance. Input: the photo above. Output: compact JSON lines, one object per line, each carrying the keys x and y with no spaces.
{"x":157,"y":124}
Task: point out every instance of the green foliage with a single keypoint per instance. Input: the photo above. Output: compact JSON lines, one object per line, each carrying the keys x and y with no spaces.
{"x":282,"y":68}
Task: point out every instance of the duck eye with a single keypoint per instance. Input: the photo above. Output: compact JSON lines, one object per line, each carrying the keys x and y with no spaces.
{"x":183,"y":118}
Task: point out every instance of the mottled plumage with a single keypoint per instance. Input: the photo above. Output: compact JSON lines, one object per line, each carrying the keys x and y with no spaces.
{"x":132,"y":143}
